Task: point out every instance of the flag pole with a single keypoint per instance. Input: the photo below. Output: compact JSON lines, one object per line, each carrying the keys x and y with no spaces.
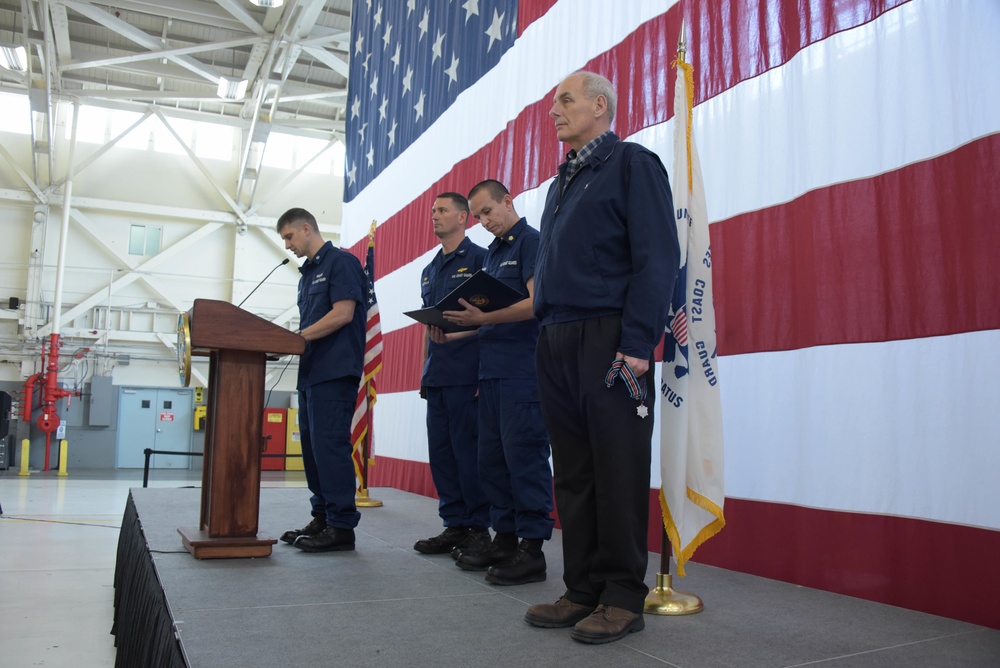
{"x":664,"y":599}
{"x":362,"y":500}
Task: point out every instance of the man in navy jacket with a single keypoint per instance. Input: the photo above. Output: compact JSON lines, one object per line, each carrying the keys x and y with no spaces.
{"x":513,"y":446}
{"x":607,"y":261}
{"x":332,"y":317}
{"x":451,"y":371}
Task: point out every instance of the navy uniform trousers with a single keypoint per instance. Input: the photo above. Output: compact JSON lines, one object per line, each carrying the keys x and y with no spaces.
{"x":514,"y":457}
{"x":452,"y":441}
{"x":325,"y":412}
{"x":601,"y":459}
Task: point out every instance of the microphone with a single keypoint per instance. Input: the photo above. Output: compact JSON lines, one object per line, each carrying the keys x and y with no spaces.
{"x":280,"y":264}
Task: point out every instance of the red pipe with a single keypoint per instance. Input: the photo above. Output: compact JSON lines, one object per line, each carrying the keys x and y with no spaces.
{"x":29,"y":388}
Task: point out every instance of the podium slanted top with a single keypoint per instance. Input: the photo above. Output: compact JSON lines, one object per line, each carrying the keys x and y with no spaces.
{"x":217,"y":324}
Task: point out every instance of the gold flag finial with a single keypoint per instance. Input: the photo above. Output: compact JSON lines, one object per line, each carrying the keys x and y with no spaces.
{"x":681,"y":44}
{"x":371,"y":232}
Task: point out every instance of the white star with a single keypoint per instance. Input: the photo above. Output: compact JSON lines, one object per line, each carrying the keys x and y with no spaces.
{"x":371,"y":156}
{"x":377,"y":17}
{"x":452,"y":70}
{"x":361,"y":131}
{"x":471,"y":7}
{"x":364,"y":63}
{"x":407,"y":79}
{"x":495,"y":31}
{"x":350,"y":174}
{"x":395,"y":59}
{"x":419,"y":106}
{"x":387,"y":39}
{"x":374,"y":85}
{"x":436,"y":49}
{"x":381,"y":109}
{"x":358,"y":43}
{"x":410,"y":6}
{"x":392,"y":134}
{"x":423,"y":24}
{"x":356,"y":107}
{"x":368,"y":3}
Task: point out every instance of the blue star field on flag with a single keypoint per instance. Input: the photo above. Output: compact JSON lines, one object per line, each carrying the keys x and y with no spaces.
{"x":429,"y":52}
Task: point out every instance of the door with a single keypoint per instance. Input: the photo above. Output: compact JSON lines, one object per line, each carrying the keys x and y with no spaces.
{"x":156,"y":418}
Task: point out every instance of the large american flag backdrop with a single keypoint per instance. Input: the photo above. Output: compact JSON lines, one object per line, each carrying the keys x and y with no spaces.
{"x":851,"y":158}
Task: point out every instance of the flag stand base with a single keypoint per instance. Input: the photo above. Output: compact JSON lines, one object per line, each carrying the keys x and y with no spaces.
{"x":664,"y":600}
{"x":362,"y":500}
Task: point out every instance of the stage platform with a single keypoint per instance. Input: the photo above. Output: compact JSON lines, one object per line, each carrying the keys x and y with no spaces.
{"x":386,"y":605}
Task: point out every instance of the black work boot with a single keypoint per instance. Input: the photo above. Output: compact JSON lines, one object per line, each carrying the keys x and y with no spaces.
{"x":443,"y":542}
{"x":527,"y":565}
{"x":314,"y":527}
{"x":503,"y":547}
{"x":330,"y":539}
{"x":476,"y":540}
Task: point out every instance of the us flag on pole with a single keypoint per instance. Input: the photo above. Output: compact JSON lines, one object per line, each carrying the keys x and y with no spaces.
{"x":361,"y":422}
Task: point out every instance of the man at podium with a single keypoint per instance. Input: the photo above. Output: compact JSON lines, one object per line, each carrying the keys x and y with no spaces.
{"x":332,"y":321}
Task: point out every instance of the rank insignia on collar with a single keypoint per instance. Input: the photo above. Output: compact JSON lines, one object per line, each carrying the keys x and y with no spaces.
{"x":510,"y":238}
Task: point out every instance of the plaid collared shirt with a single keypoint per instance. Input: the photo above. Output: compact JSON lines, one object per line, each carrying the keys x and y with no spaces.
{"x":575,"y":159}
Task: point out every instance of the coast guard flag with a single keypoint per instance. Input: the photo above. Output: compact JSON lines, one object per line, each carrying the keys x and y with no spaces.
{"x":692,"y":494}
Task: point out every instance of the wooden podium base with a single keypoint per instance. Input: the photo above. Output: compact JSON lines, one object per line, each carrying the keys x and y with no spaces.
{"x":202,"y":546}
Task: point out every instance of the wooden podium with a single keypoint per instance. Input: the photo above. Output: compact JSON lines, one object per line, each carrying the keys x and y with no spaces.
{"x":237,"y":343}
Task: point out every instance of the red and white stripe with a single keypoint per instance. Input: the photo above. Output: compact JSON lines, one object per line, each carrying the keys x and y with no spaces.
{"x":850,"y":157}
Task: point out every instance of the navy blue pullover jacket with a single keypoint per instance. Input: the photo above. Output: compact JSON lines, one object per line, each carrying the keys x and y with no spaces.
{"x":609,"y":245}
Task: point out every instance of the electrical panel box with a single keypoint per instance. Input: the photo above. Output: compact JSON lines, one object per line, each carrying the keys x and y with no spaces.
{"x":101,"y":401}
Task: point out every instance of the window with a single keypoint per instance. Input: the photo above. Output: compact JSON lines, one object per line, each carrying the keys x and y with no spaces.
{"x":144,"y":239}
{"x":15,"y":115}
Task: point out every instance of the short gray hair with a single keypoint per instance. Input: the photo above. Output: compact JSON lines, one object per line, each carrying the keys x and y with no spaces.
{"x":594,"y":84}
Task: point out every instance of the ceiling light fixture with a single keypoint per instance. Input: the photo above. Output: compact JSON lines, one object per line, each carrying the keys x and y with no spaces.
{"x":13,"y":57}
{"x":231,"y":88}
{"x":268,"y":4}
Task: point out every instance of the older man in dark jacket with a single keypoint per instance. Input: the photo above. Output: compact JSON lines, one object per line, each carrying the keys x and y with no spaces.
{"x":607,"y":261}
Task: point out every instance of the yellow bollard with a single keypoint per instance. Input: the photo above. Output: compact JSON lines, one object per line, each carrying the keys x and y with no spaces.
{"x":63,"y":456}
{"x":25,"y":453}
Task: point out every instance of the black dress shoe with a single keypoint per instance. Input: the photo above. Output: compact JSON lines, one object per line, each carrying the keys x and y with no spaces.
{"x":330,"y":539}
{"x":528,"y":565}
{"x":314,"y":527}
{"x":442,"y":543}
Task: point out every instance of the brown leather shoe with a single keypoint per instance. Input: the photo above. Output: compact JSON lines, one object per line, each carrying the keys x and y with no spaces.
{"x":607,"y":624}
{"x":558,"y":615}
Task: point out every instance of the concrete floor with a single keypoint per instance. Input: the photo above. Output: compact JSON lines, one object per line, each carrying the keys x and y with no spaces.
{"x":58,"y":543}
